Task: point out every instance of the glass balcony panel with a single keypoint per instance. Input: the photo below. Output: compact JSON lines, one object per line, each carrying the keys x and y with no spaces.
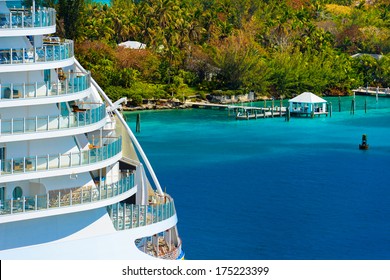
{"x":84,"y":157}
{"x":30,"y":90}
{"x":17,"y":91}
{"x":76,"y":197}
{"x":6,"y":126}
{"x":18,"y":125}
{"x":30,"y":125}
{"x":53,"y":122}
{"x":30,"y":163}
{"x":5,"y":57}
{"x":5,"y":90}
{"x":17,"y":56}
{"x":17,"y":205}
{"x":75,"y":159}
{"x":73,"y":120}
{"x":29,"y":203}
{"x":53,"y":161}
{"x":18,"y":165}
{"x":41,"y":202}
{"x":40,"y":55}
{"x":42,"y":124}
{"x":5,"y":20}
{"x":65,"y":122}
{"x":44,"y":162}
{"x":64,"y":161}
{"x":41,"y":163}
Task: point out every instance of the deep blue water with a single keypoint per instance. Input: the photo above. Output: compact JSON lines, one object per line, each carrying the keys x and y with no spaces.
{"x":270,"y":189}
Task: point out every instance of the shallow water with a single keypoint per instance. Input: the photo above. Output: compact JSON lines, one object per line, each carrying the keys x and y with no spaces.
{"x":270,"y":189}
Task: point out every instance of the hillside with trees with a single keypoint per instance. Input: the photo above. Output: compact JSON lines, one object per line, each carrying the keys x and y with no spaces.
{"x":277,"y":48}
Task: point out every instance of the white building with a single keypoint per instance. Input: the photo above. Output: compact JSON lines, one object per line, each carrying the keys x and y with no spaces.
{"x":307,"y":104}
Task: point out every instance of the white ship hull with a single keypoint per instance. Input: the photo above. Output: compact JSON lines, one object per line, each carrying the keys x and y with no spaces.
{"x":71,"y":183}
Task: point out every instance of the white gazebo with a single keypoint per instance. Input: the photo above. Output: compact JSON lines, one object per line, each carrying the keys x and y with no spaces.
{"x":307,"y":104}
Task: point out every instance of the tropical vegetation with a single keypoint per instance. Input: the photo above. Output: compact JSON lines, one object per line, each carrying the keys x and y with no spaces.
{"x":274,"y":47}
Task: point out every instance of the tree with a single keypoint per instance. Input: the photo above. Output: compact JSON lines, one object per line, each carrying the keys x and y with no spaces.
{"x":69,"y":12}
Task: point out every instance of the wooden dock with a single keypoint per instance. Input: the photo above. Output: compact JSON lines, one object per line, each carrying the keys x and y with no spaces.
{"x":373,"y":91}
{"x":243,"y":112}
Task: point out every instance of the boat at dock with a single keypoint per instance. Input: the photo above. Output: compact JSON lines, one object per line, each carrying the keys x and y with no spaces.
{"x":74,"y":181}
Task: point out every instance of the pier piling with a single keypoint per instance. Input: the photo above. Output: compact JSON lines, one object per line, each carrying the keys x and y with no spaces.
{"x":365,"y":105}
{"x":138,"y":124}
{"x":288,"y":114}
{"x":339,"y":104}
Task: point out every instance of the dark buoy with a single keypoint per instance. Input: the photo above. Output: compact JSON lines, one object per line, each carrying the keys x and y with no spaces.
{"x":364,"y":145}
{"x":138,"y":125}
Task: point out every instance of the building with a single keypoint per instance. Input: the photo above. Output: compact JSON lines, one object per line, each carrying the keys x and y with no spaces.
{"x":307,"y":104}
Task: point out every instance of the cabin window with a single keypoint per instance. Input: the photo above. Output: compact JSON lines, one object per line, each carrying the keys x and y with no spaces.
{"x":17,"y":193}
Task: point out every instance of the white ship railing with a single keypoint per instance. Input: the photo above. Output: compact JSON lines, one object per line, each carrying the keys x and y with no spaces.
{"x":130,"y":133}
{"x":49,"y":52}
{"x":50,"y":123}
{"x":165,"y":250}
{"x":26,"y":18}
{"x":66,"y":197}
{"x":127,"y":216}
{"x":74,"y":83}
{"x":58,"y":161}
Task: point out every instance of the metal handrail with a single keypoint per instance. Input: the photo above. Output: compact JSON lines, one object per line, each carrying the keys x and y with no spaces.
{"x":47,"y":53}
{"x":27,"y":18}
{"x":74,"y":83}
{"x":51,"y":122}
{"x":66,"y":198}
{"x":60,"y":161}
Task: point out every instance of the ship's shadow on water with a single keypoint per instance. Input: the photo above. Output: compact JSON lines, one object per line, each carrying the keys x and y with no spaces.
{"x":267,"y":189}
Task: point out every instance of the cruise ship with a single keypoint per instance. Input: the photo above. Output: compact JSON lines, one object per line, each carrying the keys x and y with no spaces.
{"x":74,"y":181}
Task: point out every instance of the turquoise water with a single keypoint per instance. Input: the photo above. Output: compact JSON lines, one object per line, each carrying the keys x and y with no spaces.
{"x":270,"y":189}
{"x":103,"y":1}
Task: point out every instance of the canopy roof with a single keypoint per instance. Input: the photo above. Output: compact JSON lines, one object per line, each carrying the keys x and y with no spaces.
{"x":133,"y":45}
{"x":307,"y":97}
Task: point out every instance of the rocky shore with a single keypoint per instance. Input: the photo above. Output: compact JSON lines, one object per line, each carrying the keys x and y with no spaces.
{"x":163,"y":104}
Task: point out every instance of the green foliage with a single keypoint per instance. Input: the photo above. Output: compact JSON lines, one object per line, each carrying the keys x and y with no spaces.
{"x":275,"y":47}
{"x":69,"y":12}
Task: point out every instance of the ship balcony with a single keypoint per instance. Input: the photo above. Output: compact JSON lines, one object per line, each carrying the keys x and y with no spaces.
{"x":128,"y":216}
{"x":165,"y":249}
{"x":25,"y":21}
{"x":74,"y":86}
{"x":86,"y":196}
{"x":53,"y":54}
{"x":81,"y":120}
{"x":43,"y":166}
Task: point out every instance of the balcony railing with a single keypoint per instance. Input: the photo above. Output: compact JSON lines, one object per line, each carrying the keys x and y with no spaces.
{"x":127,"y":216}
{"x":51,"y":123}
{"x":75,"y":82}
{"x":59,"y":161}
{"x":26,"y":18}
{"x":164,"y":250}
{"x":49,"y":52}
{"x":66,"y":197}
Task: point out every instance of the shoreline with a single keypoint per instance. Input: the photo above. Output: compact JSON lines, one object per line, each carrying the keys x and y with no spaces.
{"x":175,"y":104}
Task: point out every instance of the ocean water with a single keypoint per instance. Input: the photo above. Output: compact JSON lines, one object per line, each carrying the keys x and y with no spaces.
{"x":271,"y":189}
